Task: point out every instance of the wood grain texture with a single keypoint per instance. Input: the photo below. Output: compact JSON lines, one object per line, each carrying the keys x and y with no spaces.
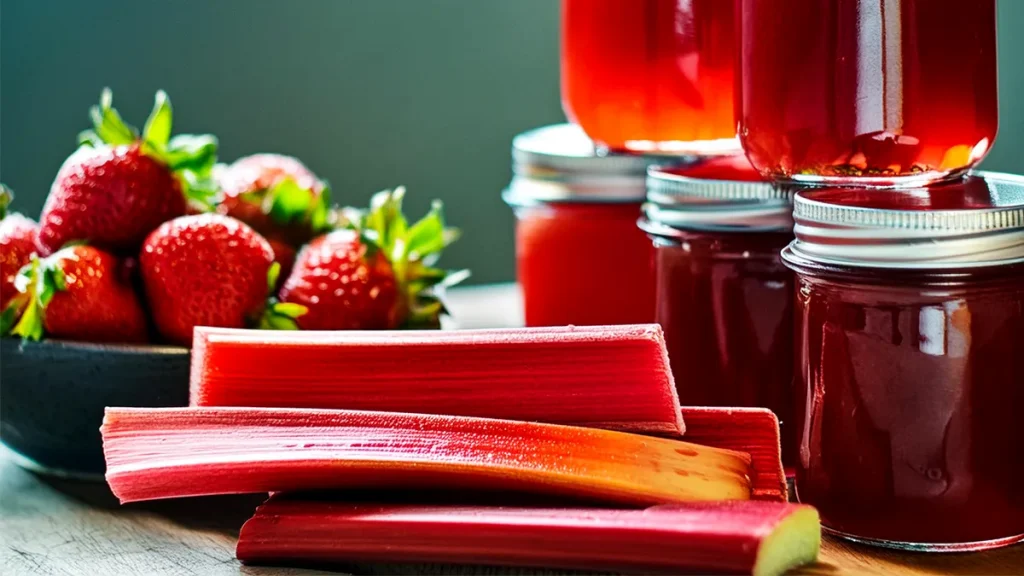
{"x":64,"y":527}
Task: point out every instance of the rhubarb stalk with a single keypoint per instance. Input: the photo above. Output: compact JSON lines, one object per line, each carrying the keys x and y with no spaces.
{"x":751,"y":430}
{"x":763,"y":538}
{"x":175,"y":452}
{"x":614,"y":377}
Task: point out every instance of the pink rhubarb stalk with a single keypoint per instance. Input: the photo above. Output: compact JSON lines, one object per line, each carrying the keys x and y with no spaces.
{"x":175,"y":452}
{"x":614,"y":377}
{"x":762,"y":538}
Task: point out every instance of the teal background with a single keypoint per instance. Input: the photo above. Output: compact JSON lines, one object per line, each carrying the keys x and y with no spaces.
{"x":369,"y":93}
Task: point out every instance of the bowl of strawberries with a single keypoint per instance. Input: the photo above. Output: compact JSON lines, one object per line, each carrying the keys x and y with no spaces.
{"x":144,"y":236}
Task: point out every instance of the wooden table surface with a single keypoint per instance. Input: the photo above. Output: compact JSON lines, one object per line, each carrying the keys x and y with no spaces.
{"x":50,"y":526}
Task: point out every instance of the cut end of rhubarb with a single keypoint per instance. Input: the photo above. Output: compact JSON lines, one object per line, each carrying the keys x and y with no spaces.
{"x":795,"y":541}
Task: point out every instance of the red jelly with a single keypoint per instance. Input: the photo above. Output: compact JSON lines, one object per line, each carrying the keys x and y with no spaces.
{"x":910,"y":362}
{"x":889,"y":93}
{"x":580,"y":257}
{"x":724,"y":297}
{"x":650,"y":74}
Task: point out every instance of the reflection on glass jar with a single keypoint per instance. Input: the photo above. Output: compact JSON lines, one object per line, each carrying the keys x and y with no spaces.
{"x":879,"y":91}
{"x":650,"y":75}
{"x":910,"y":364}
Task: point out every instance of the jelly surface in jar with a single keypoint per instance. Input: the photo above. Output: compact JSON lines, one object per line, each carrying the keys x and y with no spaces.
{"x":650,"y":74}
{"x":893,"y":92}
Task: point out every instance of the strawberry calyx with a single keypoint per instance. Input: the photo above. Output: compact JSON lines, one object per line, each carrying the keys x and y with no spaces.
{"x":6,"y":197}
{"x":412,"y":250}
{"x":287,"y":203}
{"x":189,"y":157}
{"x":278,"y":315}
{"x":36,"y":282}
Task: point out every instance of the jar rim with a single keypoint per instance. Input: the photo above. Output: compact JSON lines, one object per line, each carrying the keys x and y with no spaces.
{"x":723,"y":193}
{"x":973,"y":222}
{"x":559,"y":163}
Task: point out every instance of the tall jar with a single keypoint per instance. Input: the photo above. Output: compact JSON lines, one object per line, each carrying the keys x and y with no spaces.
{"x":724,"y":297}
{"x":580,"y":258}
{"x":874,"y":92}
{"x":650,"y":75}
{"x":910,"y":362}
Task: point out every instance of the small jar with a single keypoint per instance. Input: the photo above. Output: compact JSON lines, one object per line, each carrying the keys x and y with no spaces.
{"x":650,"y":75}
{"x":724,"y":297}
{"x":866,"y":93}
{"x":580,"y":258}
{"x":910,"y":362}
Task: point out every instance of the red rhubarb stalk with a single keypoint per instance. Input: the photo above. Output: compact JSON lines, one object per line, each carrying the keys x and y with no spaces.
{"x":174,"y":452}
{"x":614,"y":377}
{"x":751,"y":430}
{"x":762,"y":538}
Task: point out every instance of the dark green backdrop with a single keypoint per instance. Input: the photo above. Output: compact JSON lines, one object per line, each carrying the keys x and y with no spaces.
{"x":370,"y":93}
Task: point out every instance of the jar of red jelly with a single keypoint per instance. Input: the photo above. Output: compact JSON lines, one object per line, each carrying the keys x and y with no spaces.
{"x":580,"y":257}
{"x":883,"y":93}
{"x":910,"y":362}
{"x":651,"y":75}
{"x":724,"y":297}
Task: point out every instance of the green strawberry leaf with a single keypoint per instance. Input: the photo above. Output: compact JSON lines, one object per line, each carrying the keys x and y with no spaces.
{"x":157,"y":131}
{"x":289,"y":309}
{"x":200,"y":192}
{"x":196,"y":153}
{"x":6,"y":197}
{"x":288,"y":202}
{"x":427,"y":235}
{"x":281,"y":315}
{"x":11,"y":313}
{"x":320,"y":216}
{"x":108,"y":125}
{"x":273,"y":273}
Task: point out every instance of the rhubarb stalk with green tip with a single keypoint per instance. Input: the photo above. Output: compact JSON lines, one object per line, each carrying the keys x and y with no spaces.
{"x":120,"y":185}
{"x":379,"y":273}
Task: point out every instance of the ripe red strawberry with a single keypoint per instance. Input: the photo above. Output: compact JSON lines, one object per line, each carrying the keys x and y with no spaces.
{"x":79,"y":293}
{"x":376,"y":276}
{"x":209,"y":270}
{"x":279,"y":197}
{"x":17,"y":244}
{"x":117,"y":187}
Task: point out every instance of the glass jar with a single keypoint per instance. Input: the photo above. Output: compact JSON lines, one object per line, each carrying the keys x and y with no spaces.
{"x":580,"y":257}
{"x":724,"y":297}
{"x":910,"y":362}
{"x":883,"y":93}
{"x":650,"y":75}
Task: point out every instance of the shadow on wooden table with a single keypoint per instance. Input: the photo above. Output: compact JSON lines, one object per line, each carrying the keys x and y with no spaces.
{"x":226,"y":514}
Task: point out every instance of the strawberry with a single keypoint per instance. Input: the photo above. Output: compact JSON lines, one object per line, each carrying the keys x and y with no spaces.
{"x":17,"y":245}
{"x":80,"y":293}
{"x":377,"y":275}
{"x":210,"y":270}
{"x":279,"y":197}
{"x":119,"y":186}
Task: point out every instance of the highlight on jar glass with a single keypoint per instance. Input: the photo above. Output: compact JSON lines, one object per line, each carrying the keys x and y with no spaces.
{"x":651,"y":75}
{"x":910,"y":362}
{"x":724,"y":297}
{"x":876,"y":92}
{"x":580,"y":258}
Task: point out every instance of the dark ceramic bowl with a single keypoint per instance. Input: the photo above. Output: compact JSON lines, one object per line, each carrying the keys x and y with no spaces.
{"x":52,"y":396}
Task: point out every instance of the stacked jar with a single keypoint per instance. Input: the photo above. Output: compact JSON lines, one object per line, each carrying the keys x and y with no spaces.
{"x":909,"y":297}
{"x":644,"y":82}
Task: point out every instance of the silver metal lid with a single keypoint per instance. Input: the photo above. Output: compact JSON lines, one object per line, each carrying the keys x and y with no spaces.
{"x":718,"y":194}
{"x":977,"y":221}
{"x":560,"y":164}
